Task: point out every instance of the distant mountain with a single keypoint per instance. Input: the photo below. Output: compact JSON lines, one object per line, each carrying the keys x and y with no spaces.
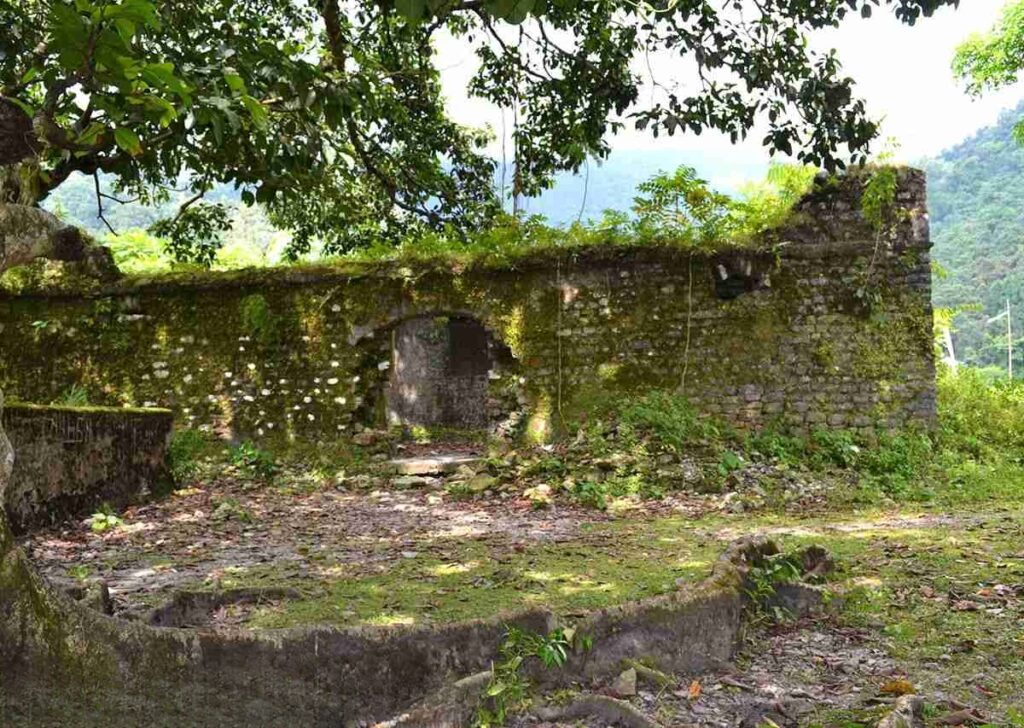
{"x":75,"y":201}
{"x":611,"y":184}
{"x":976,"y":204}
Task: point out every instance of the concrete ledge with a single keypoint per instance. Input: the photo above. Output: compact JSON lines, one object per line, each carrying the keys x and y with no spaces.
{"x":72,"y":459}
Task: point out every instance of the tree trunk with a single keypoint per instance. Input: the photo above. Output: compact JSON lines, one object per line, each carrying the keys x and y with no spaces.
{"x":18,"y":140}
{"x":28,"y":233}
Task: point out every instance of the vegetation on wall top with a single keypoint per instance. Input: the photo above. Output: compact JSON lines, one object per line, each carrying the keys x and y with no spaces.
{"x":673,"y":210}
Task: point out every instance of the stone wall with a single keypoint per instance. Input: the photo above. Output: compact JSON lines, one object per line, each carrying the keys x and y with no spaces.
{"x":828,"y":323}
{"x":71,"y":460}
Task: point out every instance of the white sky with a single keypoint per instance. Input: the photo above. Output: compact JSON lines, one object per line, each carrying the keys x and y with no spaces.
{"x":902,"y":72}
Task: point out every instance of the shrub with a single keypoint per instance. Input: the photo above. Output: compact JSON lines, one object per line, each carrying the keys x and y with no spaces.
{"x":669,"y":418}
{"x":833,"y":447}
{"x":896,"y":460}
{"x":981,"y":418}
{"x":183,"y":454}
{"x":258,"y":463}
{"x":775,"y":445}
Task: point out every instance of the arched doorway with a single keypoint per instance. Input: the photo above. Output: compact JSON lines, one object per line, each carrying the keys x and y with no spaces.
{"x":440,"y":372}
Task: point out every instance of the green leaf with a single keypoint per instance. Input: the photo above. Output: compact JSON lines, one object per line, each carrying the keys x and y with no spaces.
{"x":160,"y":75}
{"x":138,"y":11}
{"x":512,"y":11}
{"x":70,"y":35}
{"x":165,"y":108}
{"x":235,"y":82}
{"x":128,"y":140}
{"x":411,"y":9}
{"x":91,"y":133}
{"x":256,"y":109}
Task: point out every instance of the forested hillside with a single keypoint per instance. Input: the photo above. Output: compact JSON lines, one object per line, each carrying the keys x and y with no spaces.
{"x":975,"y":195}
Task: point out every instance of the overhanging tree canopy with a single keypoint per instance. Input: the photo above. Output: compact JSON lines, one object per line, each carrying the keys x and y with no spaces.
{"x":331,"y":113}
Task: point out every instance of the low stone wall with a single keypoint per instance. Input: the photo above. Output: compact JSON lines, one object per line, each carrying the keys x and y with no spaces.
{"x":63,"y":664}
{"x":71,"y":459}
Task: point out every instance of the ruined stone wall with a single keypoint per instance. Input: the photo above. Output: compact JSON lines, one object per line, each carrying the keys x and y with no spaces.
{"x":71,"y":460}
{"x":828,"y":325}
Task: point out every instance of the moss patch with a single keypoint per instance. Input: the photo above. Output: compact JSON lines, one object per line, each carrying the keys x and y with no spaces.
{"x":449,"y":580}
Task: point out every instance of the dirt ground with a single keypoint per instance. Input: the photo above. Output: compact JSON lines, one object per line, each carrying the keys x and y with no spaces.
{"x":805,"y":673}
{"x":931,"y":601}
{"x":228,"y":525}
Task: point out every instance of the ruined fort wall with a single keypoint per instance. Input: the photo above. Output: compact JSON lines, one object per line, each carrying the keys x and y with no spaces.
{"x":828,"y":324}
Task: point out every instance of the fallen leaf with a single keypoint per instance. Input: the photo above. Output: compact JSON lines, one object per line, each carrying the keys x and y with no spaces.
{"x":695,"y":690}
{"x":897,"y":687}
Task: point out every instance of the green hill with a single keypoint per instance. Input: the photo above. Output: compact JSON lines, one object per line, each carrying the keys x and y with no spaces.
{"x":976,"y":200}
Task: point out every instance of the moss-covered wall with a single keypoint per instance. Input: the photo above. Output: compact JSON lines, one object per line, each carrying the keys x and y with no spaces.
{"x":831,"y":326}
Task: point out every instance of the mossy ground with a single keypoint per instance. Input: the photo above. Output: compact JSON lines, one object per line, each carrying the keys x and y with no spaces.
{"x":452,"y":579}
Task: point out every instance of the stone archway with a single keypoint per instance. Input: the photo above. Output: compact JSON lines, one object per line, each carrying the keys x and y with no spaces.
{"x":440,"y":372}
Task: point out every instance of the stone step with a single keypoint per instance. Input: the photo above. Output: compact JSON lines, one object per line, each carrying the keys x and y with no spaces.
{"x":440,"y":464}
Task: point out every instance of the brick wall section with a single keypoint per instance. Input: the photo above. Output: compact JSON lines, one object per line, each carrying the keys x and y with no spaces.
{"x":828,"y":326}
{"x":69,"y":461}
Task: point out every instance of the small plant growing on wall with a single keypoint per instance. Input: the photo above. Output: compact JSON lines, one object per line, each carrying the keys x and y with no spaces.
{"x":507,"y":688}
{"x":258,"y":321}
{"x":764,"y":579}
{"x":73,"y":396}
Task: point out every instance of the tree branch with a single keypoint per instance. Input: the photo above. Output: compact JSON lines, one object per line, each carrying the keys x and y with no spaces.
{"x":99,"y":203}
{"x":28,"y":233}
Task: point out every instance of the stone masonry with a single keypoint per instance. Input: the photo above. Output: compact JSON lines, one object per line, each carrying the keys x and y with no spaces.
{"x":827,"y":324}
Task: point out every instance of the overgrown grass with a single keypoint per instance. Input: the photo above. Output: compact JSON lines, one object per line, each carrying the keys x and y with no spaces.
{"x":975,"y":453}
{"x":451,"y":579}
{"x":980,"y":418}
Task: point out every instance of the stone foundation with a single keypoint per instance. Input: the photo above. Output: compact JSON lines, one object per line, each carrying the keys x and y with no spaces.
{"x":71,"y":460}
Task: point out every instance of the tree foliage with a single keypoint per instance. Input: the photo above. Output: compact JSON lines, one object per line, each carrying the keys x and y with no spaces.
{"x":331,"y":113}
{"x":988,"y":61}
